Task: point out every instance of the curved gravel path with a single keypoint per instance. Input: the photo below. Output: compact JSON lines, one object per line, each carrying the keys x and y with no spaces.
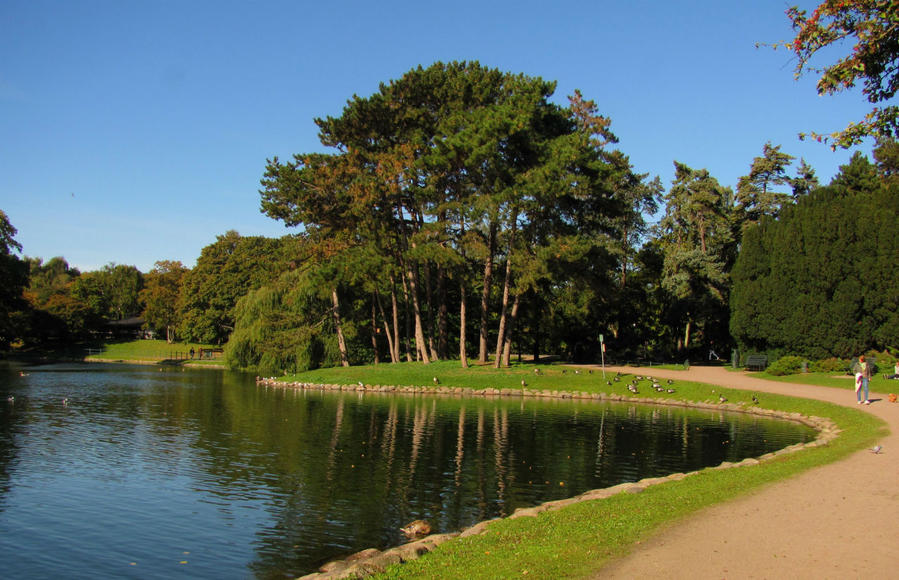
{"x":836,"y":521}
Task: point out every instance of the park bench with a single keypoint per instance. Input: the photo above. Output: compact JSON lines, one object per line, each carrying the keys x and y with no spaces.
{"x":756,"y":362}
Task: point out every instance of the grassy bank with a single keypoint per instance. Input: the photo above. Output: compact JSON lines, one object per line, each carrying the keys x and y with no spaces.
{"x":151,"y":351}
{"x":577,"y":540}
{"x":877,"y":382}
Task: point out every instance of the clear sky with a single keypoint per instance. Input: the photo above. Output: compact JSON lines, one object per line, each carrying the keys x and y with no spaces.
{"x":137,"y":131}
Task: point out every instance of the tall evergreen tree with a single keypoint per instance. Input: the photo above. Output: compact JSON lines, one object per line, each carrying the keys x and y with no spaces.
{"x":757,"y":193}
{"x":697,"y":241}
{"x":820,"y":280}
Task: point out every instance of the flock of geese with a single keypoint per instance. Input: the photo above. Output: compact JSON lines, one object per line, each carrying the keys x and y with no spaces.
{"x":633,"y":386}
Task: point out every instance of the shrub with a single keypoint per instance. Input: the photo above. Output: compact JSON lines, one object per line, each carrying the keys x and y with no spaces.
{"x":787,"y":365}
{"x":831,"y":365}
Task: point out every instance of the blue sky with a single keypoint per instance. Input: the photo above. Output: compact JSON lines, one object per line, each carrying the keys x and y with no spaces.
{"x":137,"y":131}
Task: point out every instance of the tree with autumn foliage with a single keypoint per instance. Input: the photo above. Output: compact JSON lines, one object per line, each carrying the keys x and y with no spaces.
{"x":872,"y":26}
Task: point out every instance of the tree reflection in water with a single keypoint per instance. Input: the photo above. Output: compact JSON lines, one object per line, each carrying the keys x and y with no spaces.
{"x":280,"y":481}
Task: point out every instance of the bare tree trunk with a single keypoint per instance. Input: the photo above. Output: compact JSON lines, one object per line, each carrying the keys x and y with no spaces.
{"x":501,"y":334}
{"x":374,"y":330}
{"x":442,"y":315}
{"x":507,"y":348}
{"x":429,"y":302}
{"x":463,"y":350}
{"x":394,"y":306}
{"x":341,"y":342}
{"x":485,"y":295}
{"x":507,"y":284}
{"x":391,"y":345}
{"x":420,"y":344}
{"x":407,"y":303}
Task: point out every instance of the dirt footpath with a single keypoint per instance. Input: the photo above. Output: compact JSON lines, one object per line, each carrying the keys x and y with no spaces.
{"x":836,"y":521}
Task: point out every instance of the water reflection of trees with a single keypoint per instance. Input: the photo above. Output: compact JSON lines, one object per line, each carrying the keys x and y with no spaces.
{"x":339,"y":472}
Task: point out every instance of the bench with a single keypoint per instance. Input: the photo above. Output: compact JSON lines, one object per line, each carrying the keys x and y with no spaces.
{"x":756,"y":362}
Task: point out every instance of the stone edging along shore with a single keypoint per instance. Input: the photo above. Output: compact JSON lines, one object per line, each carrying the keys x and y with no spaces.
{"x":373,"y":561}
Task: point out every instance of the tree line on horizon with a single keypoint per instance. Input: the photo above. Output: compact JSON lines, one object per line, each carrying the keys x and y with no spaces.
{"x":461,"y":211}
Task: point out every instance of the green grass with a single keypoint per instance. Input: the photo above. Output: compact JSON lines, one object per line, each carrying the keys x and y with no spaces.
{"x":553,"y":377}
{"x":149,"y":351}
{"x":877,"y":382}
{"x":577,"y":540}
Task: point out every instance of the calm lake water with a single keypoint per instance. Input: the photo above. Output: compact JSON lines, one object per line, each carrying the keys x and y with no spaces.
{"x":116,"y":471}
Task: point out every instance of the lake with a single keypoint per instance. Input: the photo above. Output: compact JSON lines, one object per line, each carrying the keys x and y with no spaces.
{"x":112,"y":471}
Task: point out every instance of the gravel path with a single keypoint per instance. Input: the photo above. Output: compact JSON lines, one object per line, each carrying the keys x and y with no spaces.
{"x":836,"y":521}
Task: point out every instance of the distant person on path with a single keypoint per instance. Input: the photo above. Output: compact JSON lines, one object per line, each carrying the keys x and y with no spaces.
{"x":191,"y":353}
{"x":862,"y":375}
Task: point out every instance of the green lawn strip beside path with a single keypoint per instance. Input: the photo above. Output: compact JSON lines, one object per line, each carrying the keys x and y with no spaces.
{"x":877,"y":382}
{"x":577,"y":540}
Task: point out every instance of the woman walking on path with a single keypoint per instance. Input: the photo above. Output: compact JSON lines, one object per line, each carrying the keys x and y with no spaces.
{"x":862,"y":375}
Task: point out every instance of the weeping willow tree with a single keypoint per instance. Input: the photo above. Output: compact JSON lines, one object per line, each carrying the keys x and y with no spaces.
{"x":285,"y":326}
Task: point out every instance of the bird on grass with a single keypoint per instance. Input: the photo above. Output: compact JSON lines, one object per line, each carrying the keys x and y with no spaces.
{"x":436,"y":381}
{"x":876,"y":449}
{"x":755,"y":400}
{"x":524,"y":383}
{"x":722,"y":398}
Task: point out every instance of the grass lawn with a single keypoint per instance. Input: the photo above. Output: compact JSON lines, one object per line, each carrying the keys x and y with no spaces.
{"x":150,"y":351}
{"x":877,"y":382}
{"x":577,"y":540}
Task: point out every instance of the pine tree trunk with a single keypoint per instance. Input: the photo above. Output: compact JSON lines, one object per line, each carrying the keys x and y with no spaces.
{"x":341,"y":342}
{"x":429,"y":303}
{"x":507,"y":349}
{"x":395,"y":310}
{"x":442,"y":316}
{"x":407,"y":306}
{"x":507,"y":284}
{"x":485,"y":295}
{"x":504,"y":309}
{"x":374,"y":331}
{"x":391,"y":345}
{"x":420,"y":344}
{"x":463,"y":349}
